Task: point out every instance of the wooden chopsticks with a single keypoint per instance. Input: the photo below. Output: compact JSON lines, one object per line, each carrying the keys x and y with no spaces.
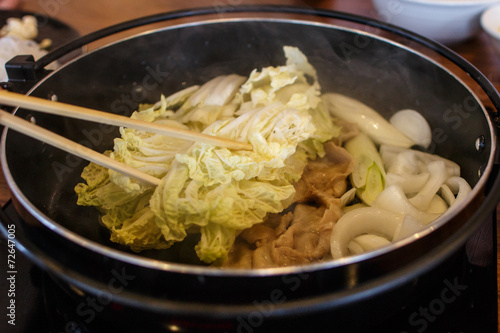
{"x":73,"y":111}
{"x":58,"y":141}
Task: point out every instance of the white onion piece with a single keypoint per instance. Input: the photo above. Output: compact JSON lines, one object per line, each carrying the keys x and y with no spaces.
{"x":437,"y":170}
{"x":408,"y":227}
{"x":447,"y":194}
{"x":346,"y":209}
{"x":367,"y":243}
{"x":389,"y":154}
{"x":354,"y":248}
{"x":460,"y":187}
{"x":366,"y":220}
{"x":407,"y":163}
{"x":393,"y":199}
{"x":409,"y":183}
{"x":437,"y":206}
{"x":368,"y":120}
{"x":397,"y":160}
{"x":413,"y":125}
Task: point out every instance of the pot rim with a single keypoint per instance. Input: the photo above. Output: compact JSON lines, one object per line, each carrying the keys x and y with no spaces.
{"x":203,"y":270}
{"x":81,"y":284}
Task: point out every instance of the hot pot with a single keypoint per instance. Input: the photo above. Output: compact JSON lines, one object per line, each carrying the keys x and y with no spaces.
{"x":157,"y":290}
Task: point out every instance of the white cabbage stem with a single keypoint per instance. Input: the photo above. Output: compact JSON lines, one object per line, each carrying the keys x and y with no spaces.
{"x":218,"y":91}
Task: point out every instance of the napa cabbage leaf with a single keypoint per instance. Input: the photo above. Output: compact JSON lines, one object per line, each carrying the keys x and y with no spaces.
{"x":209,"y":190}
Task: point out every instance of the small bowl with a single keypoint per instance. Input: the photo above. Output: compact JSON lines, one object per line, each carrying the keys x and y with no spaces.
{"x":446,"y":21}
{"x":490,"y":22}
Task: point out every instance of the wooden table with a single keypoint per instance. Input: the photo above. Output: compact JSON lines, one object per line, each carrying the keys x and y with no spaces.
{"x":88,"y":16}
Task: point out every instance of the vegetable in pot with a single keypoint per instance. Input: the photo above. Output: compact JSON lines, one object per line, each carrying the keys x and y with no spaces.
{"x":285,"y":202}
{"x":417,"y":192}
{"x":368,"y":176}
{"x":414,"y":125}
{"x":367,"y":119}
{"x":208,"y":189}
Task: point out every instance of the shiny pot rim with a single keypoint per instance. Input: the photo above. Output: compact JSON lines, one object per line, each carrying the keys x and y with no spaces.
{"x":84,"y":284}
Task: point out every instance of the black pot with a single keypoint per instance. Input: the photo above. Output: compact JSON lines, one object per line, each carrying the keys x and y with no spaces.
{"x":67,"y":241}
